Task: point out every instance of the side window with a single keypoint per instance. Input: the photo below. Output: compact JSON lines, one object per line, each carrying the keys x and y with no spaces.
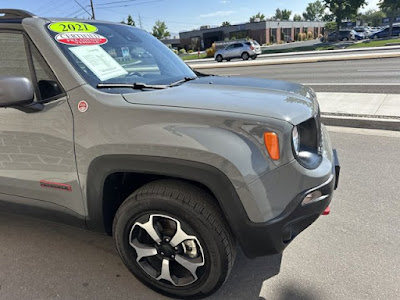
{"x":47,"y":83}
{"x":14,"y":61}
{"x":230,"y":47}
{"x":238,"y":45}
{"x":13,"y":58}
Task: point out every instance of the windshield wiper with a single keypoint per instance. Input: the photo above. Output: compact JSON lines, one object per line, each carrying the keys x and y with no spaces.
{"x":141,"y":85}
{"x":135,"y":86}
{"x":183,"y":80}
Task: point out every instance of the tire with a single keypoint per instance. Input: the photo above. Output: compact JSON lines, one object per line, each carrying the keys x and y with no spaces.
{"x":204,"y":239}
{"x":228,"y":59}
{"x":219,"y":58}
{"x":254,"y":57}
{"x":345,"y":39}
{"x":245,"y":56}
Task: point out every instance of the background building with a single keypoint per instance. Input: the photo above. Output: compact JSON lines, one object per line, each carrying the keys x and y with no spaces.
{"x":264,"y":32}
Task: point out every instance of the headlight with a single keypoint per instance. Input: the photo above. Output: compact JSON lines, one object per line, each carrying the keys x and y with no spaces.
{"x":296,"y":140}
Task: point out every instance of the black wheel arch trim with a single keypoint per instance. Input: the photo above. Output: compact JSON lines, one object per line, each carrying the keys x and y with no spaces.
{"x":255,"y":239}
{"x":211,"y":177}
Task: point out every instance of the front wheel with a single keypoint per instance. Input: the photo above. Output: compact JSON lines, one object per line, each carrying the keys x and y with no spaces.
{"x":172,"y":236}
{"x":219,"y":58}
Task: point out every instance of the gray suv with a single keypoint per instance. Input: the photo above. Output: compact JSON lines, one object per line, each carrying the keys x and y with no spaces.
{"x":179,"y":167}
{"x":243,"y":50}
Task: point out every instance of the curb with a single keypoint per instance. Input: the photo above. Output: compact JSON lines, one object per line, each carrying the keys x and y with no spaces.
{"x":392,"y":124}
{"x":295,"y":60}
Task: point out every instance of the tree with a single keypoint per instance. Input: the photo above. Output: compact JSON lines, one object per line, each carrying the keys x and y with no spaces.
{"x":342,"y":9}
{"x":130,"y":21}
{"x":226,"y":23}
{"x":160,"y":30}
{"x":315,"y":11}
{"x":259,"y":16}
{"x":330,"y":26}
{"x":297,"y":18}
{"x":286,"y":14}
{"x":392,"y":9}
{"x":283,"y":15}
{"x":372,"y":17}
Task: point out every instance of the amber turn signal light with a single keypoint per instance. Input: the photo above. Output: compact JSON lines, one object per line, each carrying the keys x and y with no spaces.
{"x":271,"y":141}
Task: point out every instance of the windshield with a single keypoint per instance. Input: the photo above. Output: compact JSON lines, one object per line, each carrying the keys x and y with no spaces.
{"x":114,"y":53}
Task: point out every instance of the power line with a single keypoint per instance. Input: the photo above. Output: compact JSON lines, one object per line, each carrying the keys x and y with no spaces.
{"x":92,"y":15}
{"x":128,"y":5}
{"x":44,"y":5}
{"x":55,"y":6}
{"x":115,"y":2}
{"x":76,"y":13}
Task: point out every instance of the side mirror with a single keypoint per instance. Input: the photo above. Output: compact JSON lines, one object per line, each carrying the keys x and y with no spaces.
{"x":15,"y":90}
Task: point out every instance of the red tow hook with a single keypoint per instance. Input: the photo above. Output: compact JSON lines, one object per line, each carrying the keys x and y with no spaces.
{"x":327,"y":211}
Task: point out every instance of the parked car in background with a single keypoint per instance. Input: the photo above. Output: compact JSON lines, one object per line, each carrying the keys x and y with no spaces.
{"x":384,"y":33}
{"x":344,"y":35}
{"x":363,"y":31}
{"x":244,"y":50}
{"x":356,"y":36}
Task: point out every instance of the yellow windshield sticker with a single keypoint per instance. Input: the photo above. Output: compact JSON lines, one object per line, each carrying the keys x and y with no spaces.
{"x":72,"y":27}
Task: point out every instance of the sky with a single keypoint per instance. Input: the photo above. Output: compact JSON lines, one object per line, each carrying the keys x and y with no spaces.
{"x":178,"y":15}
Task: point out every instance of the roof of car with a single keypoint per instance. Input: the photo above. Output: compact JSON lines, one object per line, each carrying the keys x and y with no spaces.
{"x":17,"y":15}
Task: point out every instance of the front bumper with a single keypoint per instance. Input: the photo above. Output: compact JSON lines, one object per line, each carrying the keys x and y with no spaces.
{"x":272,"y":237}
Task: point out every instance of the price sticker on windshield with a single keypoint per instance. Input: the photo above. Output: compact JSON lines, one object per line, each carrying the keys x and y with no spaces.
{"x":63,"y":27}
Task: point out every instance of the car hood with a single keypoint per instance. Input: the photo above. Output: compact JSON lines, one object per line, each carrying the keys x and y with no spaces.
{"x":287,"y":101}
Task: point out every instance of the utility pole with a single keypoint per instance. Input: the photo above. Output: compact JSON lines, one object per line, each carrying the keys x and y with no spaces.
{"x":91,"y":4}
{"x":140,"y":22}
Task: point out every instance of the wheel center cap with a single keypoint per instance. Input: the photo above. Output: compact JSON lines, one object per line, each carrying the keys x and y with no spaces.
{"x":166,"y":249}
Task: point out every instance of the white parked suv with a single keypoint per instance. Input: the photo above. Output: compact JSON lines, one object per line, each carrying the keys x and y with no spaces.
{"x":244,"y":50}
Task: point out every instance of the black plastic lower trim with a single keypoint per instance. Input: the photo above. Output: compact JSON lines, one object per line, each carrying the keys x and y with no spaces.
{"x":272,"y":237}
{"x":54,"y":214}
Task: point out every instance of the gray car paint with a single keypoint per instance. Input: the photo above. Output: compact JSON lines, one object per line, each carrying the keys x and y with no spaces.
{"x":219,"y":124}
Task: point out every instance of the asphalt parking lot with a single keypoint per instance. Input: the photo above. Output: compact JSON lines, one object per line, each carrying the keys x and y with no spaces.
{"x":351,"y":254}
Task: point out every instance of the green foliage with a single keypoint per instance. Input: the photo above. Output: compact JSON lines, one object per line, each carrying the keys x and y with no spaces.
{"x":211,"y":51}
{"x":315,"y":11}
{"x":190,"y":51}
{"x":182,"y":51}
{"x":257,"y":16}
{"x":392,"y":6}
{"x":160,"y":30}
{"x":297,"y":18}
{"x":226,"y":23}
{"x":370,"y":44}
{"x":130,"y":21}
{"x":282,"y":15}
{"x":372,"y":17}
{"x":330,"y":26}
{"x":392,"y":9}
{"x":343,"y":9}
